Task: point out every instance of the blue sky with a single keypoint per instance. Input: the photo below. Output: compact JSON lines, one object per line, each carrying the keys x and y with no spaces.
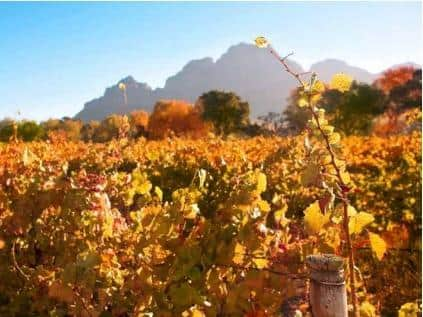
{"x":56,"y":56}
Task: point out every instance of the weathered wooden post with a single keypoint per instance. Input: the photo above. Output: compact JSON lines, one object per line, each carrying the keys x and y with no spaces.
{"x":328,"y":295}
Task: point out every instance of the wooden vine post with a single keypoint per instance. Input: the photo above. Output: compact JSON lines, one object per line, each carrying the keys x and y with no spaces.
{"x":328,"y":294}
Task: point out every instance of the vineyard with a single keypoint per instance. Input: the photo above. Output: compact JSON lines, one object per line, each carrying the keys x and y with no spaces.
{"x":208,"y":227}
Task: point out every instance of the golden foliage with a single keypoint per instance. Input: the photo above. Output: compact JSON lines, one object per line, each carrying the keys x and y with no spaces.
{"x":175,"y":117}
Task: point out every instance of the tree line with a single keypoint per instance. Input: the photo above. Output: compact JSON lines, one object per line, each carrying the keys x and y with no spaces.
{"x":361,"y":109}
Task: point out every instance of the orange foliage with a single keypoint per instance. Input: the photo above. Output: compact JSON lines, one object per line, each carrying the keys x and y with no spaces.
{"x":138,"y":121}
{"x":176,"y":117}
{"x":393,"y":123}
{"x":394,"y":77}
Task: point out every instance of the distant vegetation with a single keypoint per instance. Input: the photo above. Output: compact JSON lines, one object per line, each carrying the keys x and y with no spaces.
{"x":362,"y":109}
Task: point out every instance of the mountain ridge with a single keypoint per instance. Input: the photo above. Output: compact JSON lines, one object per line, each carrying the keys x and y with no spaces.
{"x":244,"y":69}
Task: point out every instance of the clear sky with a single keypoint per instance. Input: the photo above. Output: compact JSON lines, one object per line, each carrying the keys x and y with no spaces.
{"x":56,"y":56}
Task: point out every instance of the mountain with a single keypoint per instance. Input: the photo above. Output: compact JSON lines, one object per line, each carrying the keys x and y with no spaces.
{"x":326,"y":68}
{"x":252,"y":73}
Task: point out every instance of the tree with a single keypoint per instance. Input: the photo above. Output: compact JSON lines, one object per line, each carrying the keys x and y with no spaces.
{"x":26,"y":130}
{"x":112,"y":127}
{"x":6,"y":129}
{"x":88,"y":130}
{"x":138,"y":121}
{"x":224,"y":110}
{"x":176,"y":117}
{"x":294,"y":118}
{"x":394,"y":77}
{"x":30,"y":131}
{"x":271,"y":122}
{"x":353,"y":111}
{"x":69,"y":128}
{"x":407,"y":95}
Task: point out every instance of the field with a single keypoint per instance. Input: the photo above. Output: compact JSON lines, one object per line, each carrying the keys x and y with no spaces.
{"x":210,"y":227}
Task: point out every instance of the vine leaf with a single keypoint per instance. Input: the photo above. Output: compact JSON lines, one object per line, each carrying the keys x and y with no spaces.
{"x":378,"y":245}
{"x":261,"y":183}
{"x":314,"y":219}
{"x":359,"y":221}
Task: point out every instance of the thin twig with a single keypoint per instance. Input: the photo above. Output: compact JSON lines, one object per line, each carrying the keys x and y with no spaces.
{"x":15,"y":262}
{"x":340,"y":182}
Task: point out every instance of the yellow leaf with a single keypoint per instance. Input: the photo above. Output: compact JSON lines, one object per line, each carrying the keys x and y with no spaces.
{"x":367,"y":310}
{"x":345,"y":176}
{"x":302,"y":102}
{"x":314,"y":219}
{"x":261,"y":182}
{"x":263,"y":206}
{"x":158,"y":192}
{"x":260,"y":263}
{"x":351,"y":211}
{"x":409,"y":310}
{"x":261,"y":42}
{"x":122,"y":86}
{"x":279,"y":216}
{"x":318,"y":86}
{"x":193,"y":312}
{"x":359,"y":221}
{"x":327,"y":129}
{"x":341,"y":82}
{"x":378,"y":245}
{"x":239,"y":252}
{"x":334,"y":138}
{"x":192,"y":212}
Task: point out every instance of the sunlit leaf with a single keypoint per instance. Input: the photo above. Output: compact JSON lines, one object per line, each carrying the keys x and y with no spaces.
{"x":314,"y":219}
{"x":359,"y":221}
{"x":261,"y":183}
{"x":261,"y":42}
{"x":378,"y":245}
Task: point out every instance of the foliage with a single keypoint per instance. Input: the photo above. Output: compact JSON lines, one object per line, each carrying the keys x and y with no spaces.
{"x":178,"y":226}
{"x":394,"y":77}
{"x":407,"y":95}
{"x":225,"y":110}
{"x":294,"y":118}
{"x":71,"y":129}
{"x":26,"y":130}
{"x":88,"y":130}
{"x":113,"y":127}
{"x":138,"y":121}
{"x":175,"y":117}
{"x":354,"y":110}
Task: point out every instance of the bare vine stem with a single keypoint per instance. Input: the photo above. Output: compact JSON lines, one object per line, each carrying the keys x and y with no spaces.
{"x":15,"y":262}
{"x":343,"y":187}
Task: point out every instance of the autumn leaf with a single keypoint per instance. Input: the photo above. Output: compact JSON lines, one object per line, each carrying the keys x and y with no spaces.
{"x":367,"y":310}
{"x":158,"y":192}
{"x":122,"y":86}
{"x":341,"y":82}
{"x":314,"y":219}
{"x":239,"y":252}
{"x":378,"y":245}
{"x":261,"y":183}
{"x":261,"y":42}
{"x":359,"y":221}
